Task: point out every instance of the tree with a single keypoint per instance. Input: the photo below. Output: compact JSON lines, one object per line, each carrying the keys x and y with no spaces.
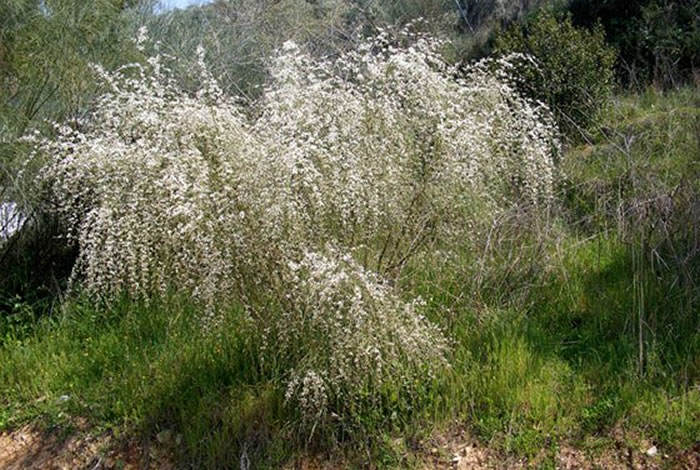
{"x":46,"y":48}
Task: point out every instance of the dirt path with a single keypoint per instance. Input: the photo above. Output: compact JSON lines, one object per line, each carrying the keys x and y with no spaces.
{"x":29,"y":448}
{"x":457,"y":450}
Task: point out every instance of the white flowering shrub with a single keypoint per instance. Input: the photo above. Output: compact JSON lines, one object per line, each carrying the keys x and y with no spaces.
{"x":384,"y":149}
{"x":148,"y":187}
{"x":364,"y":338}
{"x":380,"y":153}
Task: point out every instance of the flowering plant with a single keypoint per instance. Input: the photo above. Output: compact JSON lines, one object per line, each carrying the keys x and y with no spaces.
{"x":319,"y":192}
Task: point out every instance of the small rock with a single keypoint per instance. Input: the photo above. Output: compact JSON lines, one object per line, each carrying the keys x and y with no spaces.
{"x":164,"y":436}
{"x":652,"y":451}
{"x":63,"y":398}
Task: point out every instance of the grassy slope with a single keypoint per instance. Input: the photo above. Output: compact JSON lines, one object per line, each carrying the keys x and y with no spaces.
{"x":545,"y":346}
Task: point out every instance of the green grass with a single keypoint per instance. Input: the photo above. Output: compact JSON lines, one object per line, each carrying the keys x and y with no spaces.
{"x":565,"y":366}
{"x":143,"y":368}
{"x":518,"y":379}
{"x":546,"y":345}
{"x":522,"y":380}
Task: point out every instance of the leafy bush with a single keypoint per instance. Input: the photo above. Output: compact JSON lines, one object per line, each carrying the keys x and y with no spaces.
{"x":573,"y":69}
{"x":658,"y":40}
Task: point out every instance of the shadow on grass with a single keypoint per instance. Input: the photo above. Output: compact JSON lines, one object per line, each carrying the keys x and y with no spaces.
{"x":153,"y":369}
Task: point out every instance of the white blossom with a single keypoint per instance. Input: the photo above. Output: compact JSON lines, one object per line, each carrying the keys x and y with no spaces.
{"x":319,"y":194}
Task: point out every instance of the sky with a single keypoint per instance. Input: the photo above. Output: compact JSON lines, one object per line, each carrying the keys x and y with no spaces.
{"x":168,"y":4}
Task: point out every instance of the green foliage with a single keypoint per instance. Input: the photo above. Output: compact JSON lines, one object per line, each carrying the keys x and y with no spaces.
{"x":46,"y":50}
{"x":526,"y":398}
{"x":640,"y":176}
{"x":561,"y":364}
{"x":241,"y":36}
{"x":639,"y":179}
{"x":573,"y":69}
{"x":658,"y":40}
{"x":145,"y":368}
{"x":523,"y":380}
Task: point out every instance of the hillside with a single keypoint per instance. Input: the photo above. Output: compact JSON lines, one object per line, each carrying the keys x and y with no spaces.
{"x":414,"y":234}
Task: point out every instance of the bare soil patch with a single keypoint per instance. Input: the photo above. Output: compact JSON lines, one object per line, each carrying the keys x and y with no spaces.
{"x":30,"y":448}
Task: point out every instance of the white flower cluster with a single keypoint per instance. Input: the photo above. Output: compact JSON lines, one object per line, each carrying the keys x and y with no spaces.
{"x":384,"y":150}
{"x":148,"y":187}
{"x":379,"y":152}
{"x":364,"y":338}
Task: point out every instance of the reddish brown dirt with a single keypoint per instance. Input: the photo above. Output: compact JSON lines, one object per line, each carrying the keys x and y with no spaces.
{"x":456,"y":450}
{"x":28,"y":448}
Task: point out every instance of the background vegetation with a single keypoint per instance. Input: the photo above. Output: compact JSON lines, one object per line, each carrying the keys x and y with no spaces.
{"x":572,"y":70}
